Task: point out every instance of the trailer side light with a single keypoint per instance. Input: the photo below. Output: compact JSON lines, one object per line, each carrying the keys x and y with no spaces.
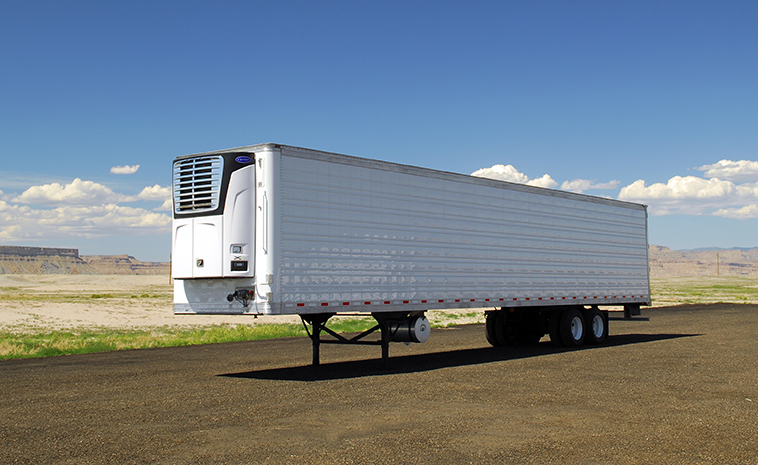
{"x":366,"y":303}
{"x":386,"y":302}
{"x":324,"y":304}
{"x":301,"y":305}
{"x":345,"y":303}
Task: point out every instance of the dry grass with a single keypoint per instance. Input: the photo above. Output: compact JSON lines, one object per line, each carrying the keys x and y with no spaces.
{"x":129,"y":303}
{"x":704,"y":290}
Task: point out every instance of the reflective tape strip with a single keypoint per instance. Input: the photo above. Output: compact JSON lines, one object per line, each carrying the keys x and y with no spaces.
{"x":515,"y":299}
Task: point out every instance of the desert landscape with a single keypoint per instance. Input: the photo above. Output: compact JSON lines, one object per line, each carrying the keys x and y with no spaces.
{"x":58,"y":289}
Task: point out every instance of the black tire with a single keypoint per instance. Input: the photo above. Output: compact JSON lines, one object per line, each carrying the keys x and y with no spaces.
{"x":512,"y":332}
{"x":596,"y":326}
{"x":572,"y":328}
{"x":553,"y":325}
{"x":503,"y":333}
{"x":490,"y":321}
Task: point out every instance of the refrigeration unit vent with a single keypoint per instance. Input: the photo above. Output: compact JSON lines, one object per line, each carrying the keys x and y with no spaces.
{"x":197,"y":184}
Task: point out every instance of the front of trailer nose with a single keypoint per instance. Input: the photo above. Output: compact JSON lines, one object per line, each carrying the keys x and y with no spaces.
{"x":214,"y":220}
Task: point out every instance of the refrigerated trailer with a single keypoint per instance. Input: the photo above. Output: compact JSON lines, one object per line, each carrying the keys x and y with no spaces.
{"x":273,"y":229}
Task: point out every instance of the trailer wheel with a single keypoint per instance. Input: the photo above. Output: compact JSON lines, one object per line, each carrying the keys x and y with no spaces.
{"x":512,"y":332}
{"x":553,"y":325}
{"x":490,"y":322}
{"x":505,"y":332}
{"x":597,"y":326}
{"x":571,"y":328}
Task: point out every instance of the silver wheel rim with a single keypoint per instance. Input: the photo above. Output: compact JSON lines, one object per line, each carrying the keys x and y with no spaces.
{"x":576,"y":328}
{"x":598,"y":326}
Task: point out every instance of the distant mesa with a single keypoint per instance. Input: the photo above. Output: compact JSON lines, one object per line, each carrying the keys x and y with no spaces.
{"x":664,"y":262}
{"x":50,"y":260}
{"x":667,"y":263}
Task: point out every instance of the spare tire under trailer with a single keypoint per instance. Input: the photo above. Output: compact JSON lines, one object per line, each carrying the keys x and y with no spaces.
{"x":567,"y":326}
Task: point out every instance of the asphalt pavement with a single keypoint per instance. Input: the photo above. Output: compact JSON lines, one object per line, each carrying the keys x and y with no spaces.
{"x":679,"y":388}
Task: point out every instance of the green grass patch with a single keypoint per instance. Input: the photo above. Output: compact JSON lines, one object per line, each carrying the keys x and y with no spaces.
{"x":17,"y":295}
{"x":20,"y":343}
{"x":704,"y":289}
{"x":52,"y":343}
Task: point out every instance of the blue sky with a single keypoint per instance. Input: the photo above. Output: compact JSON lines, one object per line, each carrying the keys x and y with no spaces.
{"x":654,"y":102}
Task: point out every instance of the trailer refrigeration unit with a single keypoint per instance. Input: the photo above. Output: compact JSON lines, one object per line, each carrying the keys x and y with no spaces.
{"x":272,"y":230}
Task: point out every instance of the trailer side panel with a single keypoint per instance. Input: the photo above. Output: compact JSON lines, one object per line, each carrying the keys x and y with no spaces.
{"x":361,"y":235}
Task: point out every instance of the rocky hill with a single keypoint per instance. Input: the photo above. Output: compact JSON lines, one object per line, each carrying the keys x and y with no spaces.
{"x":124,"y":264}
{"x":50,"y":260}
{"x":42,"y":260}
{"x":667,"y":263}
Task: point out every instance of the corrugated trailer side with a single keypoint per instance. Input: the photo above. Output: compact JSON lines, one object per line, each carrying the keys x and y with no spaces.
{"x":368,"y":236}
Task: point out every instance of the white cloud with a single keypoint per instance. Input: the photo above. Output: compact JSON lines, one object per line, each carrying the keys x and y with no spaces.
{"x":511,"y":174}
{"x":155,"y":192}
{"x":729,"y":189}
{"x":126,"y":169}
{"x":678,"y":187}
{"x":502,"y":173}
{"x":78,"y":192}
{"x":691,"y":195}
{"x":581,"y":185}
{"x":23,"y":222}
{"x":738,"y":171}
{"x":165,"y":206}
{"x":81,"y":209}
{"x":544,"y":181}
{"x":748,"y":211}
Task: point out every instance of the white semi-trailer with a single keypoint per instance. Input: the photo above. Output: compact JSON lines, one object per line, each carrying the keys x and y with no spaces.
{"x":272,"y":229}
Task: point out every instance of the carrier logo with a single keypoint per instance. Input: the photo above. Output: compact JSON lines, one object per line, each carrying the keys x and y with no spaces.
{"x":243,"y":159}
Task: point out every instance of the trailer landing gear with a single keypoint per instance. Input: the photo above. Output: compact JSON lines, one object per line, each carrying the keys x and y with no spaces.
{"x":393,"y":327}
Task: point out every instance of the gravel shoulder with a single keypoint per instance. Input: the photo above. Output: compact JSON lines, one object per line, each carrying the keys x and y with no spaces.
{"x":679,"y":388}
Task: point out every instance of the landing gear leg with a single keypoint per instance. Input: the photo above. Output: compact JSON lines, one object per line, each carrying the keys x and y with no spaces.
{"x":317,"y":322}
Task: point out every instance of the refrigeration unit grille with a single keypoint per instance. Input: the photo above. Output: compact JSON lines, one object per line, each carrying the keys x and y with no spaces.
{"x":197,"y":184}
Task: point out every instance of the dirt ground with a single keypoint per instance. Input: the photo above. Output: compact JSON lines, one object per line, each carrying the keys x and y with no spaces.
{"x":43,"y":303}
{"x":679,"y":388}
